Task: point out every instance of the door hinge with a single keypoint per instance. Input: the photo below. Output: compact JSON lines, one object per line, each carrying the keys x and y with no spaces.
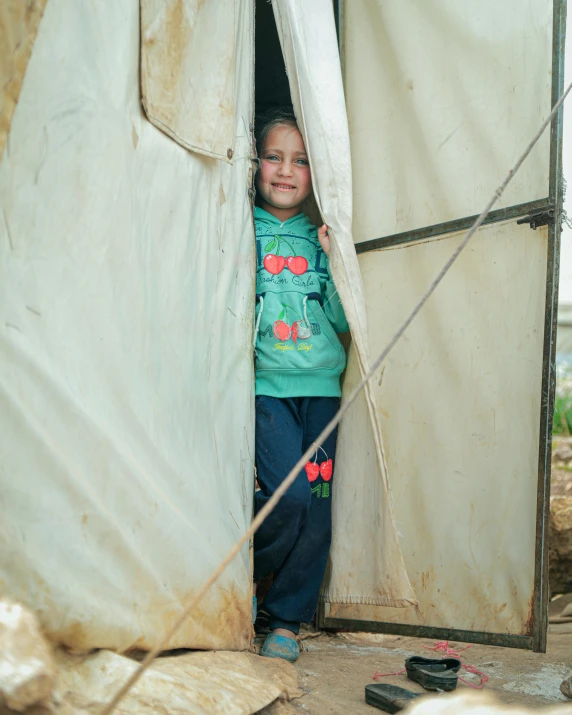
{"x":540,"y":218}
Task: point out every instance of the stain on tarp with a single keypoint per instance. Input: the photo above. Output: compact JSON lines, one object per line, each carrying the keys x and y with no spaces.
{"x":19,"y":22}
{"x":188,"y":73}
{"x":222,"y":621}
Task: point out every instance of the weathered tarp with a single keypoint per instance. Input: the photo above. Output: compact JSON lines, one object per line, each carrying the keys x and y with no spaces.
{"x":126,"y":309}
{"x":19,"y":21}
{"x":189,"y":71}
{"x":308,"y":38}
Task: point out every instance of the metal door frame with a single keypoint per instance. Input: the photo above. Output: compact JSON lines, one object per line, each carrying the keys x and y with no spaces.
{"x":536,"y":640}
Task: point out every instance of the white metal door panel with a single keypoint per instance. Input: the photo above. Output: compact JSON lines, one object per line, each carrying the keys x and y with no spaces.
{"x":459,"y":400}
{"x":442,"y":97}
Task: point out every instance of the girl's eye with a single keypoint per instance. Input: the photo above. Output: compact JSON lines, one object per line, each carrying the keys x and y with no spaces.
{"x":303,"y":162}
{"x":272,"y":157}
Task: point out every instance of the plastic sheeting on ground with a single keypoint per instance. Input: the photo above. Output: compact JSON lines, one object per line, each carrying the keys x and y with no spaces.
{"x":193,"y":683}
{"x":308,"y":38}
{"x":126,"y":308}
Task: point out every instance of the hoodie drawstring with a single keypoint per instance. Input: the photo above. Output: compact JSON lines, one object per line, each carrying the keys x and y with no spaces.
{"x":304,"y":305}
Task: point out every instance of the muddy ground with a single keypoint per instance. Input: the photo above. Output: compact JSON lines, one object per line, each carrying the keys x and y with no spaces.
{"x":333,"y":670}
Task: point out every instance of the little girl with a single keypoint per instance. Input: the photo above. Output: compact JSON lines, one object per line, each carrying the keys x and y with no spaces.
{"x":298,"y":361}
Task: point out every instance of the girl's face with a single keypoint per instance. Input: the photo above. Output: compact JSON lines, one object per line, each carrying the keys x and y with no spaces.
{"x":284,"y":179}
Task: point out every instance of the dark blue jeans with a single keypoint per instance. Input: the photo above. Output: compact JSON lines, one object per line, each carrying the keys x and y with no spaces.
{"x":294,"y":541}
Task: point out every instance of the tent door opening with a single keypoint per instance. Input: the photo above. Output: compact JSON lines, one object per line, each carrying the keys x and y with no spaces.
{"x":271,"y":88}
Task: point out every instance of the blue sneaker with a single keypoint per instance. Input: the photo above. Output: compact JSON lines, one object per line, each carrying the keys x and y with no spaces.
{"x":276,"y":646}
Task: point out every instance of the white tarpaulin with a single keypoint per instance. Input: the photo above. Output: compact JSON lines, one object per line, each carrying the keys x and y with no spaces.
{"x":188,"y":72}
{"x":126,"y":302}
{"x":442,"y":99}
{"x":308,"y":38}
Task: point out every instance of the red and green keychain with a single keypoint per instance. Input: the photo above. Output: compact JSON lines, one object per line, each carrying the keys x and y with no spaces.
{"x":314,"y":470}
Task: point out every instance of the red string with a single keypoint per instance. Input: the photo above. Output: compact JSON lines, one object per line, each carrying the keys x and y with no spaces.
{"x":444,"y":647}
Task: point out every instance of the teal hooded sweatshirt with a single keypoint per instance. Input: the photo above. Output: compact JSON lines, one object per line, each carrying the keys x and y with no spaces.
{"x":298,"y":312}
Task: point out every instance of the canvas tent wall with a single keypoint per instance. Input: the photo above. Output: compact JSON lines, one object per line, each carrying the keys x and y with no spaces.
{"x":127,"y":268}
{"x":127,"y":299}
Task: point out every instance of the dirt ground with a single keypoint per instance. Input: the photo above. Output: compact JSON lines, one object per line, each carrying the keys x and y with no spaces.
{"x":333,"y":670}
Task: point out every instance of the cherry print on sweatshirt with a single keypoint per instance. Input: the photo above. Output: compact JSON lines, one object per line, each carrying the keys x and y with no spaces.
{"x":314,"y":470}
{"x":274,"y":262}
{"x":297,"y":265}
{"x":284,"y":331}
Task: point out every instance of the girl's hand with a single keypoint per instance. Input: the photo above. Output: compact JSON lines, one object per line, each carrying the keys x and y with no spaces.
{"x":324,"y":239}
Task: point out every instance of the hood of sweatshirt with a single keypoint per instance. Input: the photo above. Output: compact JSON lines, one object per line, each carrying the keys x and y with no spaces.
{"x":300,"y":222}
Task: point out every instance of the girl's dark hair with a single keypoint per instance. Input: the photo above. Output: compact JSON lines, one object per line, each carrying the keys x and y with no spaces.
{"x":268,"y":121}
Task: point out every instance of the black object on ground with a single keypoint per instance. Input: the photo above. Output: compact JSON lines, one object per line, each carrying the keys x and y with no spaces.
{"x":433,"y":673}
{"x":389,"y":698}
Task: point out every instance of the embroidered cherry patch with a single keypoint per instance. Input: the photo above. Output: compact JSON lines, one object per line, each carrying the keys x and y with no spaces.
{"x":326,"y":470}
{"x":295,"y":331}
{"x":312,"y":470}
{"x":282,"y":330}
{"x":302,"y":331}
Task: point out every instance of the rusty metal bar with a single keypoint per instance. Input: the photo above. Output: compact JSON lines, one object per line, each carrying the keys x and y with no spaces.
{"x":461,"y":224}
{"x":452,"y":634}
